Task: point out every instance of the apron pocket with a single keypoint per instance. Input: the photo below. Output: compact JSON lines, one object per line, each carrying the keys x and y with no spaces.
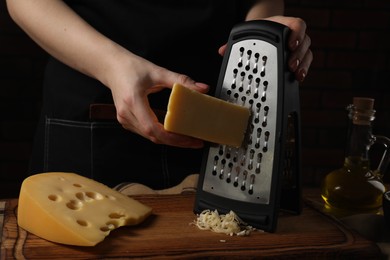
{"x":67,"y":146}
{"x":103,"y":151}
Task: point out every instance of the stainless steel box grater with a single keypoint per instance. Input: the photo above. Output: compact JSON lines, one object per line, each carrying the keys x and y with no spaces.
{"x":263,"y":175}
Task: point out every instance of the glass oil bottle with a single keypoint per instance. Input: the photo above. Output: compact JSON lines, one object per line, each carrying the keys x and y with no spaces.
{"x":355,"y":188}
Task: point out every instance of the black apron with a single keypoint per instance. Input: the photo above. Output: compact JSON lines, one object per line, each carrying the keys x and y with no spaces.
{"x":182,"y":36}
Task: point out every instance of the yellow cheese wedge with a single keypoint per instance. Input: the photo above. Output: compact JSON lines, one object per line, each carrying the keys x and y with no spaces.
{"x":70,"y":209}
{"x":208,"y":118}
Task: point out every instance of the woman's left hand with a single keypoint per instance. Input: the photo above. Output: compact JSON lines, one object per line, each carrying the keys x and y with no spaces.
{"x":299,"y":44}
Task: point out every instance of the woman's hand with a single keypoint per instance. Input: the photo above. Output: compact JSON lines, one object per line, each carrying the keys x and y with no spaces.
{"x":67,"y":37}
{"x":131,"y":81}
{"x":299,"y":45}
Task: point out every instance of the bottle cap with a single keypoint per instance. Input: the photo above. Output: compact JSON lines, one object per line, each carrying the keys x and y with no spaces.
{"x":363,"y":110}
{"x":363,"y":103}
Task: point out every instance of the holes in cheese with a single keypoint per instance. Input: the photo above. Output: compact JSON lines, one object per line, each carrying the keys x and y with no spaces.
{"x":74,"y":205}
{"x":208,"y":118}
{"x":70,"y":209}
{"x":82,"y":223}
{"x":89,"y":196}
{"x":116,"y":215}
{"x":54,"y":197}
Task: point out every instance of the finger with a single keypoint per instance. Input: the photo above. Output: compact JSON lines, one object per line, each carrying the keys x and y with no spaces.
{"x":146,"y":123}
{"x":129,"y":121}
{"x":304,"y":66}
{"x":153,"y":130}
{"x":169,"y":78}
{"x":136,"y":115}
{"x":145,"y":119}
{"x":188,"y":82}
{"x":177,"y":140}
{"x":222,"y":50}
{"x":298,"y":55}
{"x":297,"y":26}
{"x":298,"y":33}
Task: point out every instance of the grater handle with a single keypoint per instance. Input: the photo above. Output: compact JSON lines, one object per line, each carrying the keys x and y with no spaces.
{"x":251,"y":28}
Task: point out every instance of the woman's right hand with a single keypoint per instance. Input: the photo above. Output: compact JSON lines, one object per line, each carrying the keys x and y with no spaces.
{"x":131,"y":80}
{"x":67,"y":37}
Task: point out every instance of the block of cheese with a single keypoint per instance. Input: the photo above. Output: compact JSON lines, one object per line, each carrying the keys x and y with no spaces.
{"x":208,"y":118}
{"x":71,"y":209}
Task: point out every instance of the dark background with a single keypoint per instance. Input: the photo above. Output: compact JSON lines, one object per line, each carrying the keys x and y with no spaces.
{"x":351,"y":46}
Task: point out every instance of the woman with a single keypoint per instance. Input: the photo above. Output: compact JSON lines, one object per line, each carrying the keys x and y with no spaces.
{"x":129,"y":53}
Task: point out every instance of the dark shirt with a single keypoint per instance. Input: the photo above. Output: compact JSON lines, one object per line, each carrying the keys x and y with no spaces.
{"x":180,"y":35}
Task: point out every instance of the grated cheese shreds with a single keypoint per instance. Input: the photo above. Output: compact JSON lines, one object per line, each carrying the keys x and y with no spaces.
{"x":229,"y":224}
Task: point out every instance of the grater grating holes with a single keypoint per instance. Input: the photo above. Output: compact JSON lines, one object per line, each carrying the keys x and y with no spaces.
{"x":249,"y":85}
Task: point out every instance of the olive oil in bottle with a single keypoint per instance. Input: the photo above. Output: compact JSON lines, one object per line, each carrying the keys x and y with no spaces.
{"x":355,"y":188}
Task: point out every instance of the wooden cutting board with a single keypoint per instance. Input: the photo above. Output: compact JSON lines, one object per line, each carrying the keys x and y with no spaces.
{"x":169,"y":234}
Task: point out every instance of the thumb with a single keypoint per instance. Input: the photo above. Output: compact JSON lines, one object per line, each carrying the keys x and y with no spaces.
{"x":222,"y":50}
{"x":184,"y":80}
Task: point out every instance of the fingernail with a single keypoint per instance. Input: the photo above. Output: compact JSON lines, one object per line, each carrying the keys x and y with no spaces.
{"x":301,"y":75}
{"x":202,"y":85}
{"x":295,"y":64}
{"x":294,"y":45}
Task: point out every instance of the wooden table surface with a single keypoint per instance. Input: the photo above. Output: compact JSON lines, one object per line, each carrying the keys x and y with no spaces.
{"x":169,"y":234}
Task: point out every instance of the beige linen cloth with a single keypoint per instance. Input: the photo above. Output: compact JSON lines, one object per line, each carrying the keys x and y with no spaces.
{"x":188,"y":185}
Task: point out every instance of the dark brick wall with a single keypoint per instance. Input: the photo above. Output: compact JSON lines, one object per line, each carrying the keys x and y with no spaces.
{"x":351,"y":46}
